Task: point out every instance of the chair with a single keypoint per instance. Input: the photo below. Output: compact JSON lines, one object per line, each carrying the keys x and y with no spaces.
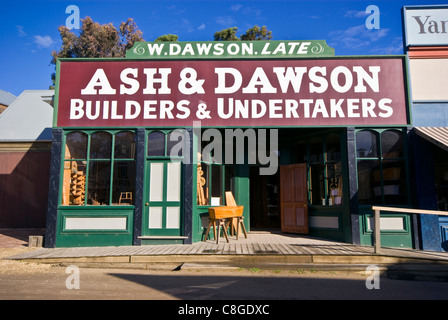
{"x":126,"y":196}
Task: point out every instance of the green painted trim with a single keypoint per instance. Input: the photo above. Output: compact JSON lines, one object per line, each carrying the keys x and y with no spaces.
{"x":229,"y":50}
{"x":342,"y":57}
{"x":96,"y":237}
{"x":389,"y":238}
{"x":146,"y":242}
{"x":56,"y":93}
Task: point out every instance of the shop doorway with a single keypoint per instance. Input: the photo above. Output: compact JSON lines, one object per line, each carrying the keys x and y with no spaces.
{"x":264,"y":200}
{"x":162,"y":209}
{"x":293,"y":198}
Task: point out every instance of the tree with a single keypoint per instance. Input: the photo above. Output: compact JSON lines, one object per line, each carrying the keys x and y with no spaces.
{"x":97,"y":41}
{"x":226,"y":35}
{"x":168,"y":37}
{"x":256,"y":33}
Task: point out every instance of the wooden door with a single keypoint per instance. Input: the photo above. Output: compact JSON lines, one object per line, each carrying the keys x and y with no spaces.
{"x":293,"y":198}
{"x":162,"y":214}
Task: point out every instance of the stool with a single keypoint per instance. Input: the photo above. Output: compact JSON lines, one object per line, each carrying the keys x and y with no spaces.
{"x":221,"y":222}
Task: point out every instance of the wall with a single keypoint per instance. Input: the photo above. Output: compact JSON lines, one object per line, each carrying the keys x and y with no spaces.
{"x":24,"y":172}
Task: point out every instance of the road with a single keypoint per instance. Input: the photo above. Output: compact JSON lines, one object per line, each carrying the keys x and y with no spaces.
{"x":30,"y":281}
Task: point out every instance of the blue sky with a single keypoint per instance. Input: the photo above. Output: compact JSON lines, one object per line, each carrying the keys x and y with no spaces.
{"x":30,"y":28}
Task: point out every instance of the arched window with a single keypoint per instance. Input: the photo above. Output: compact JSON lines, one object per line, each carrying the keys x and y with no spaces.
{"x":156,"y":144}
{"x":381,"y":167}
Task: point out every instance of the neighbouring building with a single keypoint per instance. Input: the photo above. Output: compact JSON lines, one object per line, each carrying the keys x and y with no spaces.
{"x":25,"y":150}
{"x":426,"y":45}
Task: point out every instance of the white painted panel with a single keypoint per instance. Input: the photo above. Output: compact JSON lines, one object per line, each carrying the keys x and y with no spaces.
{"x":172,"y":217}
{"x":429,"y":79}
{"x":387,"y":223}
{"x":155,"y":218}
{"x":324,"y":222}
{"x":156,"y":183}
{"x":173,"y":181}
{"x":118,"y":223}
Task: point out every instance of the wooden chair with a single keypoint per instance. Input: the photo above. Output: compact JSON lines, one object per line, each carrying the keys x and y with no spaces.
{"x":126,"y":196}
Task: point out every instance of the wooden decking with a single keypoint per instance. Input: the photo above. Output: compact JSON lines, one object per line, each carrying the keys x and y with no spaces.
{"x":257,"y":244}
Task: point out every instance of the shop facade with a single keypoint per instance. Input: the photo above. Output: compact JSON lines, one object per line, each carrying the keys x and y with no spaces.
{"x":305,"y":140}
{"x":426,"y":46}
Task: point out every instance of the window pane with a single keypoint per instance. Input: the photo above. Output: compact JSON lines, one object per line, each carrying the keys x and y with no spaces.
{"x":334,"y":172}
{"x":74,"y":184}
{"x":316,"y":150}
{"x":99,"y":182}
{"x":333,"y":148}
{"x":216,"y":185}
{"x":76,"y":146}
{"x":202,"y":196}
{"x":100,"y":145}
{"x":392,"y":144}
{"x":178,"y":142}
{"x":366,"y":144}
{"x":123,"y":191}
{"x":156,"y":144}
{"x":124,"y":145}
{"x":317,"y":184}
{"x":394,"y":177}
{"x":229,"y":178}
{"x":369,"y":181}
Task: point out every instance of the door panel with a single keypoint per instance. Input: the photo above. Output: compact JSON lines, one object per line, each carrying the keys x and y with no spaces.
{"x":293,"y":198}
{"x":162,"y":214}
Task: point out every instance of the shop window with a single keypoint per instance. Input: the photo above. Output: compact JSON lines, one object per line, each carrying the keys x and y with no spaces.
{"x":99,"y":168}
{"x":156,"y":144}
{"x":161,"y":144}
{"x":325,"y":167}
{"x":381,"y":167}
{"x":213,"y":180}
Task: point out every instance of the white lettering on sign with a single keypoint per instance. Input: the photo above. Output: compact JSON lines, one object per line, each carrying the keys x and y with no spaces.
{"x":264,"y":92}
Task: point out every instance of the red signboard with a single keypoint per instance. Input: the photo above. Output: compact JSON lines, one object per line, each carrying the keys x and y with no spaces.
{"x":251,"y":93}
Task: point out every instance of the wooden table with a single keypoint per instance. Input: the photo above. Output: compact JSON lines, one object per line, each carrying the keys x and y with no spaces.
{"x":222,"y":216}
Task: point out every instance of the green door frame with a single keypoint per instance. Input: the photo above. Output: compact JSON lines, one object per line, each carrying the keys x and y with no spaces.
{"x":161,"y":206}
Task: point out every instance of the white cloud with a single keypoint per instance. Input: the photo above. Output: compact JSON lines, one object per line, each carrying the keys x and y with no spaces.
{"x":357,"y":37}
{"x":394,"y":47}
{"x":20,"y":31}
{"x":225,"y":21}
{"x":202,"y":27}
{"x":236,"y":7}
{"x":355,"y":14}
{"x":43,"y":41}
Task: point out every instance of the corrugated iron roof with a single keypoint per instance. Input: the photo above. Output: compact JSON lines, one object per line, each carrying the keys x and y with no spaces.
{"x":436,"y":135}
{"x":28,"y":118}
{"x":6,"y":98}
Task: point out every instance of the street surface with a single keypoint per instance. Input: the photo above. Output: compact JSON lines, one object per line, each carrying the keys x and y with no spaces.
{"x":29,"y":281}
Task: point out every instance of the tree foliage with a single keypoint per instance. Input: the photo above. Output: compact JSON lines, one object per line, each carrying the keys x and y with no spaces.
{"x":97,"y":41}
{"x":168,"y":37}
{"x":226,"y":35}
{"x":257,"y":33}
{"x":254,"y":33}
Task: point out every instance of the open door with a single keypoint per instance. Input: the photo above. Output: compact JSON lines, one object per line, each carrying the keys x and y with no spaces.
{"x":293,"y":198}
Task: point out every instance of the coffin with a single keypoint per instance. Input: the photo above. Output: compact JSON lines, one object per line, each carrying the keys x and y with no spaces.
{"x":225,"y":212}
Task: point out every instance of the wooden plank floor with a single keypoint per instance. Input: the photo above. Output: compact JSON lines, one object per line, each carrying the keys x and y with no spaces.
{"x":255,"y":244}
